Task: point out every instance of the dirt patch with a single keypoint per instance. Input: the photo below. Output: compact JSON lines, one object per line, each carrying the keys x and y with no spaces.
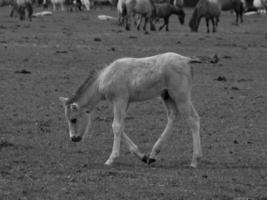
{"x":51,"y":56}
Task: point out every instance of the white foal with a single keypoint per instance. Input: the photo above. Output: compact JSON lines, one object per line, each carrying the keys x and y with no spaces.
{"x":127,"y":80}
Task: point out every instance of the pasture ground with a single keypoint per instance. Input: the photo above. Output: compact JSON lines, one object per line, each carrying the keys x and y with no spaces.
{"x":51,"y":56}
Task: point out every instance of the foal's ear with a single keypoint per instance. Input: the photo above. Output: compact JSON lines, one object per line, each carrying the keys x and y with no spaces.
{"x":74,"y":106}
{"x":63,"y":100}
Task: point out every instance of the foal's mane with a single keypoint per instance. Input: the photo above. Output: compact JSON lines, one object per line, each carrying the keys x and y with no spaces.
{"x":83,"y":87}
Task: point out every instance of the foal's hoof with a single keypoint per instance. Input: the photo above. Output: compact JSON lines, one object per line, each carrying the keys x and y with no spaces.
{"x":195,"y":162}
{"x":148,"y":160}
{"x":151,"y":160}
{"x":145,"y":158}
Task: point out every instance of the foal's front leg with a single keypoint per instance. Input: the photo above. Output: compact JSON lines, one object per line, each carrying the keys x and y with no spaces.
{"x":133,"y":147}
{"x":119,"y":108}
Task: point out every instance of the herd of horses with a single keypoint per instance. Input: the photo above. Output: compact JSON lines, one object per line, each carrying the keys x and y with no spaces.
{"x":151,"y":10}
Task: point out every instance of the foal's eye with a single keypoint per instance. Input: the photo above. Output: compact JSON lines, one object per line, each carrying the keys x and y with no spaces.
{"x":73,"y":121}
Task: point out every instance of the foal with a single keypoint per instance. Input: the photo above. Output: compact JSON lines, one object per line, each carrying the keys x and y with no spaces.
{"x":128,"y":80}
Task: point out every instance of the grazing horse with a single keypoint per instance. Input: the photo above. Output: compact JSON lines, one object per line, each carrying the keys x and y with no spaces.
{"x":236,"y":5}
{"x":128,"y":8}
{"x":208,"y":9}
{"x":128,"y":80}
{"x":80,"y":3}
{"x":56,"y":4}
{"x":20,"y":7}
{"x":165,"y":10}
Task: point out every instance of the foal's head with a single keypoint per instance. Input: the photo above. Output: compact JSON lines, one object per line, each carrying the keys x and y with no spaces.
{"x":78,"y":119}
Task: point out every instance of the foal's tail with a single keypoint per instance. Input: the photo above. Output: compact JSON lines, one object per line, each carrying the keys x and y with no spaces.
{"x":205,"y":59}
{"x":195,"y":60}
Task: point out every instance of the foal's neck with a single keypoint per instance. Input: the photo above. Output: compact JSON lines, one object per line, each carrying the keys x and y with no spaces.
{"x":90,"y":97}
{"x":87,"y":95}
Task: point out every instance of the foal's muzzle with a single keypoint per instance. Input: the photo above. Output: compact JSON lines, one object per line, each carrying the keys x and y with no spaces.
{"x":76,"y":138}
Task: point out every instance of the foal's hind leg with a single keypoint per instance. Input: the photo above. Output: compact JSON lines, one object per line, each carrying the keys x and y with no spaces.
{"x":188,"y":112}
{"x":171,"y":115}
{"x":119,"y":107}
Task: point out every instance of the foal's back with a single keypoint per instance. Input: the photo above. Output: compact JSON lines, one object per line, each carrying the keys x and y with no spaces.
{"x":143,"y":78}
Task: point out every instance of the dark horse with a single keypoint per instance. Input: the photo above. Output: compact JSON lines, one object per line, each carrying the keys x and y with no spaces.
{"x":209,"y":9}
{"x":20,"y":7}
{"x":236,"y":5}
{"x":165,"y":10}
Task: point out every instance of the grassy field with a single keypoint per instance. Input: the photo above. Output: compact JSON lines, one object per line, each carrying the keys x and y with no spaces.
{"x":51,"y":56}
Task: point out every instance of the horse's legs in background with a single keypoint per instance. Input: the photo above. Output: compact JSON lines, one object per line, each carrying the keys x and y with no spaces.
{"x":167,"y":24}
{"x":121,"y":19}
{"x":217,"y":20}
{"x":127,"y":22}
{"x":241,"y":17}
{"x":152,"y":25}
{"x":213,"y":25}
{"x":208,"y":25}
{"x":12,"y":10}
{"x":171,"y":115}
{"x":139,"y":21}
{"x":144,"y":27}
{"x":21,"y":11}
{"x":119,"y":107}
{"x":241,"y":13}
{"x":163,"y":25}
{"x":197,"y":23}
{"x":54,"y":7}
{"x":29,"y":10}
{"x":62,"y":6}
{"x":136,"y":18}
{"x":236,"y":16}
